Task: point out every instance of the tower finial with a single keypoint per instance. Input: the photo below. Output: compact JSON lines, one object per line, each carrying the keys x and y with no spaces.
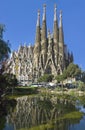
{"x":60,"y":18}
{"x":38,"y":12}
{"x":38,"y":19}
{"x":55,"y":15}
{"x":44,"y":12}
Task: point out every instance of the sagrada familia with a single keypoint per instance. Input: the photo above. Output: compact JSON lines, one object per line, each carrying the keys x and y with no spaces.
{"x":49,"y":55}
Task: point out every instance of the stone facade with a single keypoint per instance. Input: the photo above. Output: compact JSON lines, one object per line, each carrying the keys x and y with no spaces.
{"x":49,"y":55}
{"x":50,"y":52}
{"x":21,"y":64}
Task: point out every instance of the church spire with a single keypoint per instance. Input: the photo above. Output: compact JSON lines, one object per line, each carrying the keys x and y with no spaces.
{"x":61,"y":35}
{"x":44,"y":12}
{"x":55,"y":14}
{"x":61,"y":43}
{"x":37,"y":46}
{"x":55,"y":26}
{"x":44,"y":36}
{"x":38,"y":28}
{"x":44,"y":27}
{"x":55,"y":35}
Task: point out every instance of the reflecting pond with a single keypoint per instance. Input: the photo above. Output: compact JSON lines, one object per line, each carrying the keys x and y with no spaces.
{"x":48,"y":112}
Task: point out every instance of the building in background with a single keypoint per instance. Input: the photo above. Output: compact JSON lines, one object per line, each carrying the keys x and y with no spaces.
{"x":49,"y":55}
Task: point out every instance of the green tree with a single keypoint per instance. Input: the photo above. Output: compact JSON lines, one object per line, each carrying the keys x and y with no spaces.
{"x":81,"y":85}
{"x":4,"y":50}
{"x":59,"y":78}
{"x":83,"y":76}
{"x":11,"y":81}
{"x":7,"y":82}
{"x":46,"y":78}
{"x":4,"y":54}
{"x":73,"y":70}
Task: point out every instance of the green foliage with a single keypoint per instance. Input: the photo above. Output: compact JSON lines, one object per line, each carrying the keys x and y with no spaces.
{"x":4,"y":50}
{"x":10,"y":80}
{"x":60,"y":78}
{"x":81,"y":86}
{"x":4,"y":54}
{"x":73,"y":70}
{"x":7,"y":81}
{"x":83,"y":77}
{"x":46,"y":78}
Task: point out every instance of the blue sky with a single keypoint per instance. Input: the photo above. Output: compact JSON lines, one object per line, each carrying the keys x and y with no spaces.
{"x":19,"y":17}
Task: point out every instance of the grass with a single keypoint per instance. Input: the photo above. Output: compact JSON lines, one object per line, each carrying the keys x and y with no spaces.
{"x":73,"y":115}
{"x":22,"y":91}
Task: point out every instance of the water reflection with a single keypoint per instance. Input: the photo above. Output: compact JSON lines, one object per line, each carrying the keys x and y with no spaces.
{"x":42,"y":113}
{"x":6,"y":106}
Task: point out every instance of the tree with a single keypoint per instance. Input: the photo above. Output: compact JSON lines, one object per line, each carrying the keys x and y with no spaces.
{"x":81,"y":86}
{"x":11,"y":81}
{"x":46,"y":78}
{"x":7,"y":82}
{"x":72,"y":71}
{"x":83,"y":76}
{"x":59,"y":78}
{"x":4,"y":50}
{"x":4,"y":53}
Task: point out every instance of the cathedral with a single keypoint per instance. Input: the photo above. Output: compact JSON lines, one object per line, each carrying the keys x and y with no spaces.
{"x":49,"y":55}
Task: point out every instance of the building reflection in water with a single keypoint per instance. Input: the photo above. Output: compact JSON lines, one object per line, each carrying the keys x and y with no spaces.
{"x":42,"y":111}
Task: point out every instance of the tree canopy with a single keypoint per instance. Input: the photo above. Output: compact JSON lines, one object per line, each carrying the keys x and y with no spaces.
{"x":4,"y":50}
{"x":46,"y":78}
{"x":83,"y":77}
{"x":7,"y":81}
{"x":72,"y":71}
{"x":59,"y":78}
{"x":4,"y":54}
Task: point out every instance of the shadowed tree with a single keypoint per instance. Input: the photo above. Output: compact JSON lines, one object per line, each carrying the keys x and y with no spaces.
{"x":4,"y":54}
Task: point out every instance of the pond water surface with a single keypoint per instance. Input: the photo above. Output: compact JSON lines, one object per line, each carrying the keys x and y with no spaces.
{"x":47,"y":113}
